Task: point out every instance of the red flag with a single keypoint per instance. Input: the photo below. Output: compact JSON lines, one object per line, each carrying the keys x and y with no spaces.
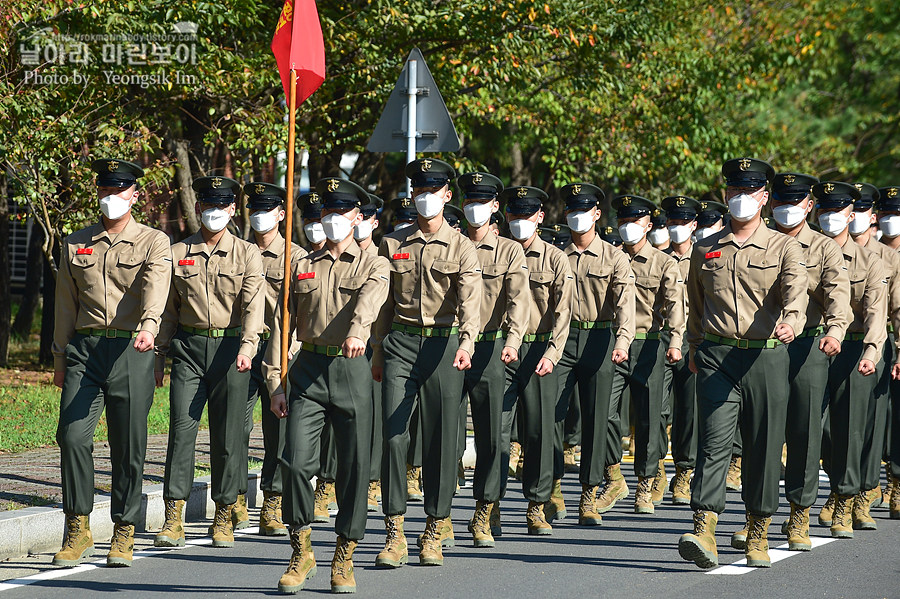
{"x":297,"y":44}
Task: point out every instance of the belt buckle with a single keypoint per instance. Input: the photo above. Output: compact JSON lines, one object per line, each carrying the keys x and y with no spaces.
{"x":427,"y":332}
{"x":743,"y":344}
{"x":216,"y":333}
{"x":109,"y":333}
{"x":332,"y":351}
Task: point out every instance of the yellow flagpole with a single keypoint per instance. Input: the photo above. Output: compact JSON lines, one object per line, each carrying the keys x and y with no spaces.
{"x":289,"y":232}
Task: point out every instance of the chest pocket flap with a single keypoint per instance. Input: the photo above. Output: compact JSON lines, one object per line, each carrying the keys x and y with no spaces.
{"x":306,"y":286}
{"x":445,"y":267}
{"x":598,"y":271}
{"x":647,"y":282}
{"x":540,"y":277}
{"x":352,"y":283}
{"x":83,"y":261}
{"x":493,"y":270}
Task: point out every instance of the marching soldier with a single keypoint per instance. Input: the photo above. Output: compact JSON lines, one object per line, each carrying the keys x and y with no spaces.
{"x":659,"y":300}
{"x":432,"y":317}
{"x":211,"y":329}
{"x":681,"y":221}
{"x":810,"y":354}
{"x":504,"y":314}
{"x":405,"y":214}
{"x":335,"y":295}
{"x":532,"y":383}
{"x":266,"y":205}
{"x":454,"y":217}
{"x":110,"y":294}
{"x":601,"y":330}
{"x":364,"y":231}
{"x":611,"y":236}
{"x":659,"y":232}
{"x":889,"y":224}
{"x":710,"y":219}
{"x":311,"y":213}
{"x":747,"y":291}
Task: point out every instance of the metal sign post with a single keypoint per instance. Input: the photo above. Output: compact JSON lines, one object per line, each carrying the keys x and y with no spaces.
{"x":412,"y":91}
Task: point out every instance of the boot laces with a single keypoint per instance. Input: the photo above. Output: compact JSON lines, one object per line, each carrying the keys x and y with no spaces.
{"x":171,"y":510}
{"x":393,"y":530}
{"x":120,"y":538}
{"x":72,"y":527}
{"x":699,"y":523}
{"x":481,"y":515}
{"x":757,"y":527}
{"x":321,"y":491}
{"x":796,"y":521}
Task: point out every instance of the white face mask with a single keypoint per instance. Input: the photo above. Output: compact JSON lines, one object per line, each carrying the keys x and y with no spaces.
{"x":860,"y":223}
{"x":680,"y":233}
{"x":215,"y":219}
{"x":788,"y":215}
{"x":522,"y":228}
{"x":315,"y":233}
{"x":399,"y":226}
{"x":429,"y":204}
{"x":743,"y":207}
{"x":631,"y":233}
{"x":336,"y":226}
{"x":581,"y":221}
{"x":889,"y":225}
{"x":704,"y":232}
{"x":833,"y":223}
{"x":114,"y":207}
{"x":363,"y":230}
{"x":658,"y":236}
{"x":263,"y":222}
{"x":478,"y":213}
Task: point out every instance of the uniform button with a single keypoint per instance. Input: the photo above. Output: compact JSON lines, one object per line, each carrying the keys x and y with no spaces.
{"x":740,"y":296}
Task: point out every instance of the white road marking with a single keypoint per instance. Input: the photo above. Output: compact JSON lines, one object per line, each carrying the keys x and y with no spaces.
{"x":63,"y":572}
{"x":775,"y":555}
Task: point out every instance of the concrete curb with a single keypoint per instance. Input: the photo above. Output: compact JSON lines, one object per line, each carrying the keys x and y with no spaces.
{"x":40,"y":529}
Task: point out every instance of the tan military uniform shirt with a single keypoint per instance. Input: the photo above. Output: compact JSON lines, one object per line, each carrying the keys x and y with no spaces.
{"x":504,"y":276}
{"x":331,"y":299}
{"x":552,"y":289}
{"x":829,"y":285}
{"x":273,"y":267}
{"x":435,"y":282}
{"x":372,"y":249}
{"x":891,"y":262}
{"x":604,"y":288}
{"x":684,"y":267}
{"x":217,"y":287}
{"x":659,"y":293}
{"x":868,"y":297}
{"x":745,"y":291}
{"x":110,"y":282}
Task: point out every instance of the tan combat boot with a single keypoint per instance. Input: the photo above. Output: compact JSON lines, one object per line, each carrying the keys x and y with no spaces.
{"x":172,"y":533}
{"x":413,"y":484}
{"x":78,"y":543}
{"x":496,"y":527}
{"x":480,"y":526}
{"x":121,"y":546}
{"x":826,"y":514}
{"x":555,"y":508}
{"x":587,"y":508}
{"x":895,"y":500}
{"x":739,"y":538}
{"x":394,"y":553}
{"x":733,"y":479}
{"x":342,"y":579}
{"x":842,"y":521}
{"x":460,"y":476}
{"x":515,"y":450}
{"x":520,"y":465}
{"x":888,"y":486}
{"x":240,"y":516}
{"x":861,"y":518}
{"x":757,"y":550}
{"x":537,"y":523}
{"x":445,"y":533}
{"x":223,"y":534}
{"x":798,"y":529}
{"x":302,"y":566}
{"x":660,"y":482}
{"x":372,"y":497}
{"x":431,"y":541}
{"x":569,"y":458}
{"x":270,"y":523}
{"x":643,"y":496}
{"x":700,"y":546}
{"x":614,"y":488}
{"x":681,"y":486}
{"x":320,"y":509}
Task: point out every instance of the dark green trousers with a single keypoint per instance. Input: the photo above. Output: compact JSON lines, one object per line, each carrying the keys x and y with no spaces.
{"x":104,"y":373}
{"x":334,"y":390}
{"x":204,"y":372}
{"x":876,"y":421}
{"x":328,"y":454}
{"x":377,"y":437}
{"x":850,"y":395}
{"x":419,"y":371}
{"x":619,"y":421}
{"x":572,"y":434}
{"x":414,"y":453}
{"x":684,"y":411}
{"x":895,"y":429}
{"x":534,"y":398}
{"x":585,"y":365}
{"x":749,"y":387}
{"x":643,"y":374}
{"x":485,"y":383}
{"x":272,"y":429}
{"x":808,"y":378}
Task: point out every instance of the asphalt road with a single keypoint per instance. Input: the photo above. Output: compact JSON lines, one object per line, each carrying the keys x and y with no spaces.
{"x":633,"y":556}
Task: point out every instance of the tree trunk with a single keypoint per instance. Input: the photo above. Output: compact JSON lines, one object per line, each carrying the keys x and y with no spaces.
{"x":21,"y":327}
{"x":48,"y":314}
{"x":184,"y":180}
{"x":5,"y":291}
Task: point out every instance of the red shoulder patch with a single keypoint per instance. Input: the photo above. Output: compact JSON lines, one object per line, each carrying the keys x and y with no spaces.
{"x":713,"y":255}
{"x":84,"y":251}
{"x":400,"y":257}
{"x":185,"y":263}
{"x":305,"y":275}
